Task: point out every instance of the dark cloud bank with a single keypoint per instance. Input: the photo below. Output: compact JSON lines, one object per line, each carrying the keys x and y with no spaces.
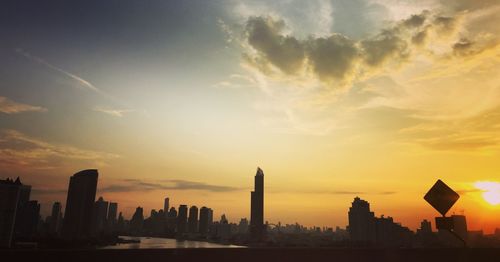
{"x":338,"y":58}
{"x":128,"y":185}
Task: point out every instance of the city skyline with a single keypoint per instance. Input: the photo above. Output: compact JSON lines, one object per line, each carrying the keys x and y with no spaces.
{"x":333,"y":99}
{"x":188,"y":220}
{"x":95,"y":223}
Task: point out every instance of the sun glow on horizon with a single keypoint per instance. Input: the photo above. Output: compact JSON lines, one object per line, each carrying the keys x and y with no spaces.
{"x":491,"y":191}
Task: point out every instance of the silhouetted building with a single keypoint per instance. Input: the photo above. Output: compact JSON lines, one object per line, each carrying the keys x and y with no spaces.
{"x":172,"y":220}
{"x":112,"y":212}
{"x":120,"y":223}
{"x":460,"y":226}
{"x":243,"y":226}
{"x":12,"y":194}
{"x":55,"y":218}
{"x":391,"y":234}
{"x":210,"y":217}
{"x":193,"y":219}
{"x":166,"y":205}
{"x":182,"y":220}
{"x":425,"y":227}
{"x":364,"y":228}
{"x":24,"y":192}
{"x":137,"y":221}
{"x":79,"y":204}
{"x":257,"y":228}
{"x":361,"y":221}
{"x":24,"y":221}
{"x":27,"y":219}
{"x":203,"y":225}
{"x":99,"y":216}
{"x":155,"y":224}
{"x":223,"y":228}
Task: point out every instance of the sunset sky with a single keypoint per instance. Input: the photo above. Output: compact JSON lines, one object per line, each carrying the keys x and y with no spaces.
{"x":332,"y":99}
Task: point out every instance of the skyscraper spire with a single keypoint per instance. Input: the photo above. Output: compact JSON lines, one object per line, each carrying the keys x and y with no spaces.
{"x":257,"y":228}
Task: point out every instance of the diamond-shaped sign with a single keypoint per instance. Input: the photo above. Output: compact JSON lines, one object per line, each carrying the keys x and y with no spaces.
{"x":441,"y":197}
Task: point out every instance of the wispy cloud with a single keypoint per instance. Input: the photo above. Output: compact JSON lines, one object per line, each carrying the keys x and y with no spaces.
{"x":130,"y":185}
{"x":436,"y":57}
{"x":474,"y":134}
{"x":338,"y":60}
{"x":335,"y":192}
{"x":19,"y":150}
{"x":81,"y":82}
{"x":112,"y":111}
{"x":78,"y":79}
{"x":8,"y":106}
{"x":48,"y":191}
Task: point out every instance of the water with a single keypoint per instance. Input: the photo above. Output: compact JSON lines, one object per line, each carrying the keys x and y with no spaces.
{"x":153,"y":242}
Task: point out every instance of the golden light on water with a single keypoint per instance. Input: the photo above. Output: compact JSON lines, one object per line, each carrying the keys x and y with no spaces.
{"x":491,"y":191}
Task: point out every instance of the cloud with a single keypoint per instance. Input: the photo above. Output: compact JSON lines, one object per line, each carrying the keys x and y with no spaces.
{"x":333,"y":58}
{"x":19,"y":150}
{"x":284,"y":52}
{"x":48,"y":191}
{"x":113,"y":112}
{"x":357,"y":19}
{"x":78,"y":79}
{"x":472,"y":134}
{"x":338,"y":59}
{"x":237,"y":81}
{"x":387,"y":45}
{"x":335,"y":192}
{"x":469,"y":5}
{"x":129,"y":185}
{"x":8,"y":106}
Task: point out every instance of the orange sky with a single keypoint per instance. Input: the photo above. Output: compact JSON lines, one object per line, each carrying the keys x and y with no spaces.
{"x":373,"y":98}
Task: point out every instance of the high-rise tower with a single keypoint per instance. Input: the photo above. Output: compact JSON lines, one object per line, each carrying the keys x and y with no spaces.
{"x":79,"y":204}
{"x":182,"y":220}
{"x":166,"y":205}
{"x":55,"y":220}
{"x":361,"y":221}
{"x":203,"y":224}
{"x":193,"y":219}
{"x":257,"y":228}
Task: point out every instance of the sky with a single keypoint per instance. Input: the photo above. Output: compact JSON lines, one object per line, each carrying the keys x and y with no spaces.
{"x":332,"y":99}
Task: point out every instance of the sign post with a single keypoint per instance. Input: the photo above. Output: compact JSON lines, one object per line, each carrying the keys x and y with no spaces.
{"x":441,"y":197}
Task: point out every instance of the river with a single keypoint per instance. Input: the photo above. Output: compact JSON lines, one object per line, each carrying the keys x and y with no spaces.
{"x":153,"y":242}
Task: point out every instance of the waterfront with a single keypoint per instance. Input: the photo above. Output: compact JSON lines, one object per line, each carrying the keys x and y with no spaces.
{"x":155,"y":243}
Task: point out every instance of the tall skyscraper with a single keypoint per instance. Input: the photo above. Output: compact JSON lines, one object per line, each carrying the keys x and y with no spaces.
{"x":166,"y":205}
{"x":99,"y":215}
{"x":112,"y":212}
{"x":171,"y":220}
{"x":203,"y":225}
{"x":120,"y":223}
{"x":182,"y":220}
{"x":361,"y":221}
{"x":223,"y":228}
{"x":12,"y":193}
{"x":79,"y":204}
{"x":55,"y":218}
{"x":25,"y":211}
{"x":24,"y":192}
{"x":210,"y":217}
{"x":257,"y":227}
{"x":27,"y":218}
{"x":193,"y":220}
{"x":425,"y":226}
{"x":137,"y":221}
{"x":243,"y":226}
